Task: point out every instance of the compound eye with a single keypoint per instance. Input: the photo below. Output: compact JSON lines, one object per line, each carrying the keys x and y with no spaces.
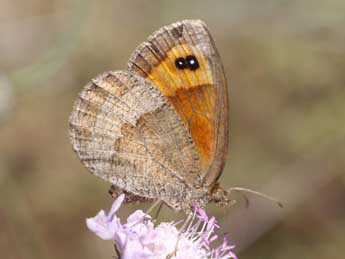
{"x":192,"y":62}
{"x":180,"y":63}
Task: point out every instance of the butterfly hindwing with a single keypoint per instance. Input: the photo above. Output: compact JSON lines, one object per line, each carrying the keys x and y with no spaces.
{"x":126,"y":132}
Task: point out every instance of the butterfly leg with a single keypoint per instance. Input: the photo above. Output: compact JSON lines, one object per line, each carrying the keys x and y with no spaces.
{"x":158,"y":210}
{"x":188,"y":220}
{"x":155,"y":204}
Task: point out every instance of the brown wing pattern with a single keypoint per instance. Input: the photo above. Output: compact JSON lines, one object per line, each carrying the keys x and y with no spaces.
{"x":126,"y":132}
{"x":198,"y":93}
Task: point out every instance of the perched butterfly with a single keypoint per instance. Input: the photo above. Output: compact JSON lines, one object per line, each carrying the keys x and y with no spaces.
{"x":159,"y":131}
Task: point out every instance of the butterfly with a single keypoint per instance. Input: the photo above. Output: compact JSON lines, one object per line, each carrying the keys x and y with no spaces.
{"x":159,"y":130}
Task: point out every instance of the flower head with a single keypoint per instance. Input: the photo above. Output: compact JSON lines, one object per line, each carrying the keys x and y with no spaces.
{"x":138,"y":238}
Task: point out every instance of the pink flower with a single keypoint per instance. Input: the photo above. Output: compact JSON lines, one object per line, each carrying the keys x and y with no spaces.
{"x":140,"y":239}
{"x":105,"y":226}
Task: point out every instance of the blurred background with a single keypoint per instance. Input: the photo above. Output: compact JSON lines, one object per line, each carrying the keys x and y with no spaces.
{"x":285,"y":61}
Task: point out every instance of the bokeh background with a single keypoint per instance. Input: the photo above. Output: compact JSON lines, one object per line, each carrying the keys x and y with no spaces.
{"x":285,"y":61}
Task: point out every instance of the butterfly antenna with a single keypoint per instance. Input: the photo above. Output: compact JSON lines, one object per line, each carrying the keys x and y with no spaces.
{"x":260,"y":194}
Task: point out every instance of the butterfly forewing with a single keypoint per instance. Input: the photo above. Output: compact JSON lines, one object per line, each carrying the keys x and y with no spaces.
{"x":181,"y":60}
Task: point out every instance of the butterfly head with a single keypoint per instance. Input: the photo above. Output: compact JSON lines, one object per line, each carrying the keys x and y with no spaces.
{"x":219,"y":196}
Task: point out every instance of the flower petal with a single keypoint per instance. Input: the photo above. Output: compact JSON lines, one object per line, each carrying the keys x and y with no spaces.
{"x":201,"y":214}
{"x":101,"y":226}
{"x":116,"y":205}
{"x":137,"y":217}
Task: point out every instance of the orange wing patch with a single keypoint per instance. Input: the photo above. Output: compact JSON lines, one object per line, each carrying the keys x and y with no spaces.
{"x":192,"y":94}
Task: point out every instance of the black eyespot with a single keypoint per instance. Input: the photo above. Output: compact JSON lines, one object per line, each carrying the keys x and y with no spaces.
{"x":180,"y":63}
{"x":192,"y":62}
